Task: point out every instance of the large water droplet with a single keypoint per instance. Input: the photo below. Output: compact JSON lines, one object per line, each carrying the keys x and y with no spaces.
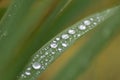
{"x":53,"y":45}
{"x":82,"y":27}
{"x":87,"y":22}
{"x":36,"y":65}
{"x":71,"y":31}
{"x":65,"y":36}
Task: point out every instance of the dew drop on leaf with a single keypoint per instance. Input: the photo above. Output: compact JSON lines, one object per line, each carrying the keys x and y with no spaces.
{"x":82,"y":27}
{"x":36,"y":65}
{"x":53,"y":45}
{"x":65,"y":36}
{"x":71,"y":31}
{"x":64,"y":44}
{"x":87,"y":22}
{"x":27,"y":73}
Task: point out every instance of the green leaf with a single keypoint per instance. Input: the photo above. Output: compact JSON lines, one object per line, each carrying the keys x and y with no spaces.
{"x":55,"y":47}
{"x":15,"y":28}
{"x":83,"y":58}
{"x":21,"y":38}
{"x":2,"y":11}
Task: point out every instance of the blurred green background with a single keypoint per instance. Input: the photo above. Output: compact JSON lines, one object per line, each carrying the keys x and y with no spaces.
{"x":106,"y":66}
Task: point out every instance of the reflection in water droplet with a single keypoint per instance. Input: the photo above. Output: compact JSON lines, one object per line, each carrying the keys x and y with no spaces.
{"x":59,"y":49}
{"x":57,"y":39}
{"x":82,"y":27}
{"x":27,"y":73}
{"x":65,"y":36}
{"x":64,"y":44}
{"x":53,"y":45}
{"x":87,"y":22}
{"x":71,"y":31}
{"x":28,"y":68}
{"x":36,"y":65}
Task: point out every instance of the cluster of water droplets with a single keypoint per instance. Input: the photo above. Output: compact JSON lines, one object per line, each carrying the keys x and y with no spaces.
{"x":56,"y":46}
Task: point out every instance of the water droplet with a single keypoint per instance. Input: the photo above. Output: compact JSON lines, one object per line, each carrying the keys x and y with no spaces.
{"x":91,"y":19}
{"x":46,"y":64}
{"x":57,"y":39}
{"x":43,"y":67}
{"x":46,"y":53}
{"x":54,"y":41}
{"x":53,"y":45}
{"x":64,"y":44}
{"x":28,"y":68}
{"x":82,"y":27}
{"x":98,"y":18}
{"x":65,"y":36}
{"x":87,"y":22}
{"x":71,"y":31}
{"x":36,"y":65}
{"x":95,"y":23}
{"x":27,"y":73}
{"x":37,"y":56}
{"x":53,"y":52}
{"x":23,"y":76}
{"x":42,"y":56}
{"x":59,"y":49}
{"x":46,"y":59}
{"x":79,"y":35}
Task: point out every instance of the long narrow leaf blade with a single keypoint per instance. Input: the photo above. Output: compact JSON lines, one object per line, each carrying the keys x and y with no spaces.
{"x":55,"y":47}
{"x":82,"y":60}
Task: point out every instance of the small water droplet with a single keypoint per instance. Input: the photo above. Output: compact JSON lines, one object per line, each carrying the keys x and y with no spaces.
{"x":27,"y":73}
{"x":57,"y":39}
{"x":71,"y":31}
{"x":23,"y":76}
{"x":91,"y":19}
{"x":87,"y":22}
{"x":43,"y":68}
{"x":53,"y":52}
{"x":36,"y":65}
{"x":59,"y":49}
{"x":42,"y":56}
{"x":53,"y":45}
{"x":54,"y":41}
{"x":46,"y":64}
{"x":65,"y":36}
{"x":46,"y":53}
{"x":28,"y":68}
{"x":46,"y":59}
{"x":82,"y":27}
{"x":95,"y":23}
{"x":79,"y":35}
{"x":37,"y":56}
{"x":64,"y":44}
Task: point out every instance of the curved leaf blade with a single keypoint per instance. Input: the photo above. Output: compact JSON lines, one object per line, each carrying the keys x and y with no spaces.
{"x":83,"y":58}
{"x":55,"y":47}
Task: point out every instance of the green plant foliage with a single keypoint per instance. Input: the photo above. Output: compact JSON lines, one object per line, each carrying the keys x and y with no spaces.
{"x":50,"y":51}
{"x":29,"y":27}
{"x":2,"y":11}
{"x":83,"y":58}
